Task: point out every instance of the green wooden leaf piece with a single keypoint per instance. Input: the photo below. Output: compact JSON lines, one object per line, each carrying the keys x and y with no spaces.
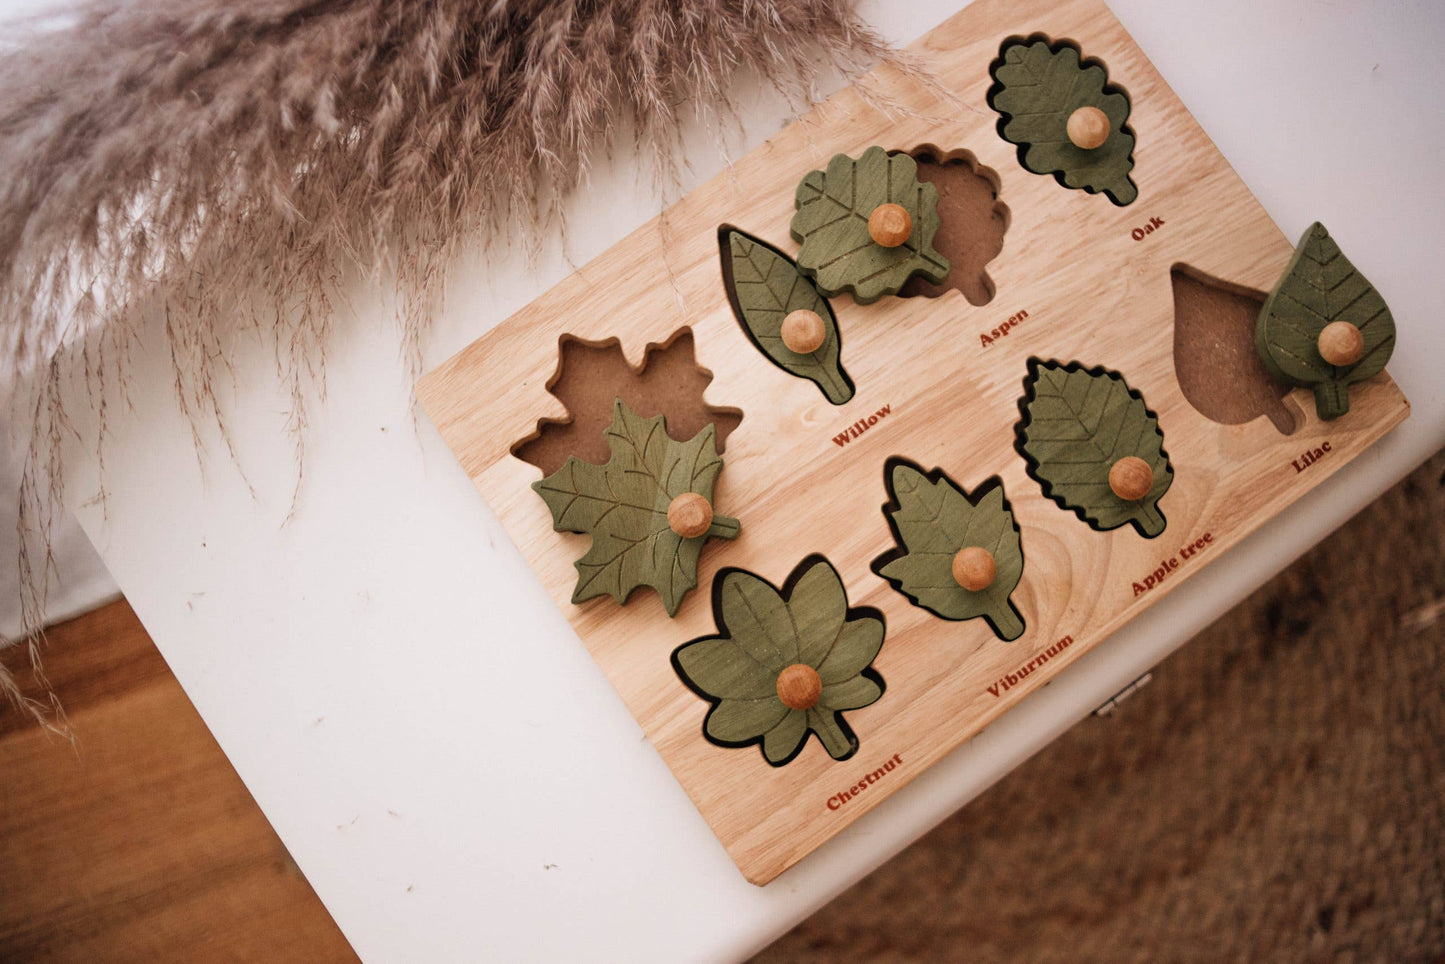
{"x":932,"y":519}
{"x":1037,"y":87}
{"x":1320,"y":287}
{"x":623,"y":506}
{"x":763,"y":286}
{"x":766,"y":634}
{"x":1077,"y":422}
{"x":832,"y":224}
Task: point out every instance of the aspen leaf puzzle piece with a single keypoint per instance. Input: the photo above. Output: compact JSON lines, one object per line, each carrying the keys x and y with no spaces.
{"x":623,"y":506}
{"x":932,"y":519}
{"x":784,"y":663}
{"x":1037,"y":87}
{"x":831,"y":223}
{"x":1077,"y":423}
{"x":1321,"y":287}
{"x":763,"y":286}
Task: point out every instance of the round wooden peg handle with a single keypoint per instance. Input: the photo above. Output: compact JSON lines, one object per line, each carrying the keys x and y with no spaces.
{"x":1131,"y":478}
{"x":1341,"y":343}
{"x":804,"y":331}
{"x":800,"y":687}
{"x":890,"y":225}
{"x":1088,"y":128}
{"x":974,"y":568}
{"x":689,"y":515}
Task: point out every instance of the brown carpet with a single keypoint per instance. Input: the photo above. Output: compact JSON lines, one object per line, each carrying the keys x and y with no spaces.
{"x":1276,"y":794}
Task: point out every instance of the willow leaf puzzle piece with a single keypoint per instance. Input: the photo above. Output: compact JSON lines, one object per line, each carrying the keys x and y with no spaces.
{"x":831,"y":223}
{"x":624,"y":505}
{"x":784,"y":663}
{"x":1077,"y":424}
{"x":763,"y":286}
{"x":1321,"y":289}
{"x":932,"y":519}
{"x":1037,"y":87}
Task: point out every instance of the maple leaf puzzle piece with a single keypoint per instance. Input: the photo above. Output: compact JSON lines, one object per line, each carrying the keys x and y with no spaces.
{"x":784,"y":663}
{"x":1320,"y":295}
{"x":1038,"y":86}
{"x":624,"y":503}
{"x":932,"y":519}
{"x":764,"y":286}
{"x":1077,"y":424}
{"x":831,"y":223}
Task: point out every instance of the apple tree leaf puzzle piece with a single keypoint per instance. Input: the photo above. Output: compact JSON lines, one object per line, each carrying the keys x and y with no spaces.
{"x":624,"y":505}
{"x":1038,"y":86}
{"x":971,"y":224}
{"x":932,"y":519}
{"x":764,"y":286}
{"x":1077,"y":424}
{"x":592,"y":375}
{"x":831,"y":223}
{"x":1321,"y":290}
{"x":784,"y":662}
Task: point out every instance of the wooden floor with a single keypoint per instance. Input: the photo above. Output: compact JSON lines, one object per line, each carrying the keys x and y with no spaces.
{"x":140,"y":843}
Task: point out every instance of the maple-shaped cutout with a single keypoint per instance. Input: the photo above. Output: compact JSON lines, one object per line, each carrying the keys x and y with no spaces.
{"x":971,"y":223}
{"x":1219,"y":371}
{"x":592,"y":375}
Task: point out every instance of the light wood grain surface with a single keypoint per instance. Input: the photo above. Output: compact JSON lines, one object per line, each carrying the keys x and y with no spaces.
{"x":1092,"y":293}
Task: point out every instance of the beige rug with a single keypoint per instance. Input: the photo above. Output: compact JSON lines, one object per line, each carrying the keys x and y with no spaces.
{"x":1276,"y":794}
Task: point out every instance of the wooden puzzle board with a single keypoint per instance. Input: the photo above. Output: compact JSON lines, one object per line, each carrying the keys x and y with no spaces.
{"x":1091,"y":292}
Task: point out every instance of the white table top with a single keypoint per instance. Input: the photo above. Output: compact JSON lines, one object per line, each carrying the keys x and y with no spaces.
{"x":363,"y":665}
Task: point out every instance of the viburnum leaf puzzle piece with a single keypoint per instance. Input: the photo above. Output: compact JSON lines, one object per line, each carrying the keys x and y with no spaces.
{"x":1324,"y":326}
{"x":784,"y":662}
{"x":866,"y":225}
{"x":783,"y":313}
{"x":648,"y":509}
{"x":1065,"y":117}
{"x":959,"y":555}
{"x":1094,"y":446}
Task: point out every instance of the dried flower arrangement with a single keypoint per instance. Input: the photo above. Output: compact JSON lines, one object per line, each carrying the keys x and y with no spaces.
{"x":227,"y":164}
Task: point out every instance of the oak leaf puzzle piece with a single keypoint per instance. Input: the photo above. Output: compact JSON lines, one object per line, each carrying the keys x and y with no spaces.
{"x":831,"y":223}
{"x":1077,"y":422}
{"x":1320,"y":286}
{"x":767,"y":636}
{"x":763,"y":286}
{"x":623,"y":506}
{"x":1037,"y":87}
{"x":932,"y":519}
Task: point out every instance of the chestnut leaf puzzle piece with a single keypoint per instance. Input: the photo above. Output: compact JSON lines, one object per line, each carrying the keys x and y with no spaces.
{"x":1322,"y":295}
{"x":1078,"y":425}
{"x":785,"y":662}
{"x":764,"y":286}
{"x":831,"y":223}
{"x":1038,"y":86}
{"x":624,"y":504}
{"x":933,"y":520}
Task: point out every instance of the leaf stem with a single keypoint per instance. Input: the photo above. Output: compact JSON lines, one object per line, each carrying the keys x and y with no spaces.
{"x":1006,"y":621}
{"x":824,"y":723}
{"x":1332,"y":399}
{"x":724,"y":527}
{"x":1151,"y":520}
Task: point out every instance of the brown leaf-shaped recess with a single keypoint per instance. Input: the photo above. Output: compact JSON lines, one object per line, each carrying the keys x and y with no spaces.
{"x":592,"y":375}
{"x":1218,"y":369}
{"x":971,"y":223}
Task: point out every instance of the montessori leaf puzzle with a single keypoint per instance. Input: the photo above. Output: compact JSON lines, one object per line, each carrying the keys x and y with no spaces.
{"x":872,"y":435}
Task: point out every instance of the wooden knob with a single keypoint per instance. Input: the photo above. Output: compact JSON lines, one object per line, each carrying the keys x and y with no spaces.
{"x":890,"y":225}
{"x":800,"y":687}
{"x":1131,"y":478}
{"x":974,"y":568}
{"x":689,"y":515}
{"x":1088,"y":128}
{"x":1341,"y":343}
{"x":804,"y":331}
